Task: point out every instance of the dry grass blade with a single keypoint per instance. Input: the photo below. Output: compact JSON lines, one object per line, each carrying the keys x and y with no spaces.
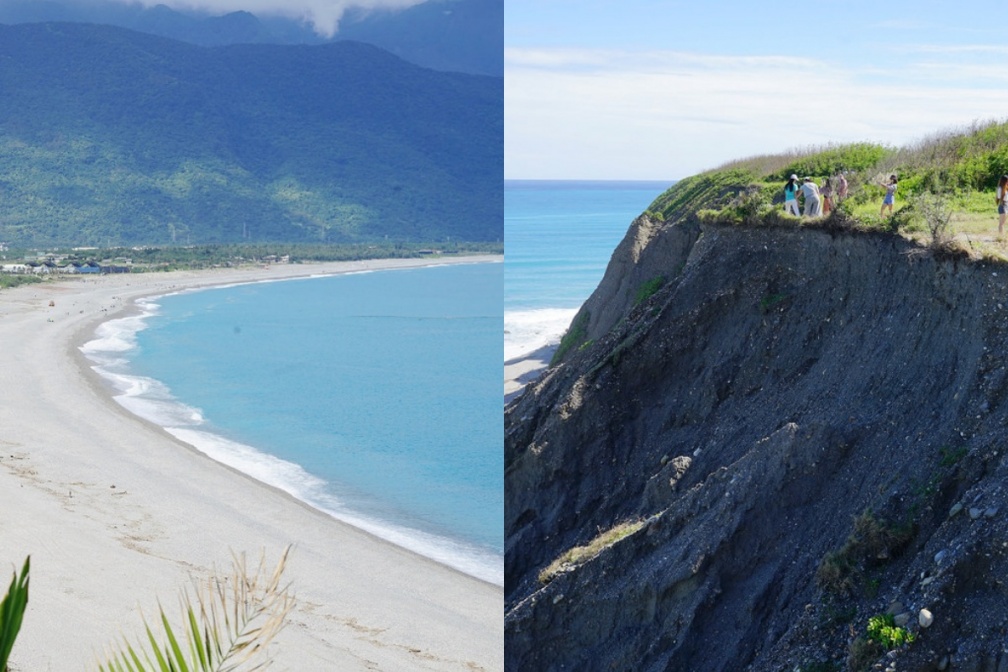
{"x":227,"y":627}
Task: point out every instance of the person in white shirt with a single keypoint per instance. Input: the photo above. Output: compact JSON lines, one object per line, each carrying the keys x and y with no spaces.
{"x":812,"y":202}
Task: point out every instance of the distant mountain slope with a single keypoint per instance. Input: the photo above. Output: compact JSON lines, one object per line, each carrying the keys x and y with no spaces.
{"x":449,"y":35}
{"x":454,"y":35}
{"x":108,"y":136}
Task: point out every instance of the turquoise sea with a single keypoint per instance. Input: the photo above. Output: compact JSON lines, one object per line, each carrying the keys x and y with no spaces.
{"x":559,"y":236}
{"x":373,"y":396}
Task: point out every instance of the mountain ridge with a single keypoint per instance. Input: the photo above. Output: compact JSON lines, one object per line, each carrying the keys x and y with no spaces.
{"x":449,"y":35}
{"x":342,"y":142}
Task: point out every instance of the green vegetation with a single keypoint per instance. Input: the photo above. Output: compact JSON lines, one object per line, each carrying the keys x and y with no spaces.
{"x":923,"y":492}
{"x":149,"y":259}
{"x":861,"y":653}
{"x":109,"y":137}
{"x":771,"y":300}
{"x":872,"y":542}
{"x":8,"y":280}
{"x":232,"y":621}
{"x":883,"y":635}
{"x":581,"y":554}
{"x":883,"y":629}
{"x":12,"y":610}
{"x":946,"y":183}
{"x":649,"y":289}
{"x":230,"y":624}
{"x":576,"y":336}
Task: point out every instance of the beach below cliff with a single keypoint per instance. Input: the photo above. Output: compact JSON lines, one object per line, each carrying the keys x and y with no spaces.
{"x":522,"y":370}
{"x":117,"y":514}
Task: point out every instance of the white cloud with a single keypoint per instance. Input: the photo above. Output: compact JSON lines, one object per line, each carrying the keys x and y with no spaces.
{"x":665,"y":115}
{"x":324,"y":15}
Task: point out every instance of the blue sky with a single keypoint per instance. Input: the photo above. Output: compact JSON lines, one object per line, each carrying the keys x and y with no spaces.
{"x":647,"y":89}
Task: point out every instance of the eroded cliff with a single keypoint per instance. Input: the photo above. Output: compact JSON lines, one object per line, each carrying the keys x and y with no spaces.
{"x":779,"y":391}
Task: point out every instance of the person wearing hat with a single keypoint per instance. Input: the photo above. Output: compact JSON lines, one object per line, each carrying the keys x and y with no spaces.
{"x":811,"y":192}
{"x":791,"y":196}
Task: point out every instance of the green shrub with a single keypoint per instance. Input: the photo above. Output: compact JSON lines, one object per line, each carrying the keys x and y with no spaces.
{"x":14,"y":280}
{"x":834,"y":159}
{"x":649,"y":289}
{"x":882,"y":628}
{"x":576,"y":335}
{"x":936,"y":212}
{"x":771,"y":300}
{"x":861,"y":653}
{"x":872,"y":542}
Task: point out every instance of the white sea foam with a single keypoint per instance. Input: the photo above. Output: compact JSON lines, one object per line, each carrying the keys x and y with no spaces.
{"x":294,"y":480}
{"x":526,"y":331}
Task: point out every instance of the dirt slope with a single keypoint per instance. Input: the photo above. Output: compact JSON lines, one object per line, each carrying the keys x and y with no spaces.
{"x":781,"y":384}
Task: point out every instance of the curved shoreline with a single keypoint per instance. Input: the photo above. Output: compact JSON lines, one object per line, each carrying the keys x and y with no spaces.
{"x":459,"y":554}
{"x":113,"y":512}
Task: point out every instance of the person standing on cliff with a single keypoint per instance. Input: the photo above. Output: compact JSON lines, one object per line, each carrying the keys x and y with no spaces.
{"x":890,"y":196}
{"x":841,"y":187}
{"x":827,"y":196}
{"x":1001,"y":197}
{"x":811,"y":193}
{"x":791,"y":196}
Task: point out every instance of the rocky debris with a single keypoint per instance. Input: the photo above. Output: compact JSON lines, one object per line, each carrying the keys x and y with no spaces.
{"x":780,"y":385}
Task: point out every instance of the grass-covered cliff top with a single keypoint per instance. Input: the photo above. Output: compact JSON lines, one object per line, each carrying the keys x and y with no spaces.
{"x":950,"y":176}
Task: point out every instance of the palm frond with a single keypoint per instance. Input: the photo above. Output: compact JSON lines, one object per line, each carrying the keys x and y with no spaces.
{"x":12,"y":610}
{"x":227,"y":625}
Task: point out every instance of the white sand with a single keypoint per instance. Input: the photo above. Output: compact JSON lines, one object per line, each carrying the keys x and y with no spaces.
{"x":521,"y":371}
{"x":117,"y":514}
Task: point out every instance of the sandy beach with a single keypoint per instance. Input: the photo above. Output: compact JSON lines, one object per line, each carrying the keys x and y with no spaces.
{"x":521,"y":371}
{"x":118,"y":514}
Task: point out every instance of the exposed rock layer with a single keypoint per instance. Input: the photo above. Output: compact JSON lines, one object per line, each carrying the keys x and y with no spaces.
{"x":780,"y":383}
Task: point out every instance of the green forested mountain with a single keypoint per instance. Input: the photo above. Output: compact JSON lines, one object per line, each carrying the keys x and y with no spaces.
{"x":108,"y":136}
{"x":451,"y":35}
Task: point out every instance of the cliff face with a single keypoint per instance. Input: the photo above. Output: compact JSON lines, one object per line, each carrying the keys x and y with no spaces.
{"x":782,"y":392}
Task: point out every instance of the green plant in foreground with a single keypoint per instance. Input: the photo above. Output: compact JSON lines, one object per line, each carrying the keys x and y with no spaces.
{"x":227,"y":629}
{"x":882,"y":628}
{"x":12,"y":610}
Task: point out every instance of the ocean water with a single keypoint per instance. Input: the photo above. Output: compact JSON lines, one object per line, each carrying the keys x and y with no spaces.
{"x":373,"y":396}
{"x":559,"y":237}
